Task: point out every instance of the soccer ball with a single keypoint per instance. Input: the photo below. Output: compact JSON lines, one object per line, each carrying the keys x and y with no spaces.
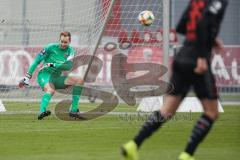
{"x":146,"y":18}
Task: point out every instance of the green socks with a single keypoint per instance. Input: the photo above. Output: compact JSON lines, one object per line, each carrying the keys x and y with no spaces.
{"x":77,"y":90}
{"x":45,"y":101}
{"x":76,"y":93}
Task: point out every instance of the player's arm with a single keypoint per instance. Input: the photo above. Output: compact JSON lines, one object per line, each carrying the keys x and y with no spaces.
{"x":213,"y":16}
{"x":39,"y":58}
{"x":202,"y":40}
{"x":202,"y":63}
{"x":216,"y":12}
{"x":67,"y":65}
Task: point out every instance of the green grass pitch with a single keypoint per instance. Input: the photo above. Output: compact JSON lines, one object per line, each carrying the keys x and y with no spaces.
{"x":22,"y":137}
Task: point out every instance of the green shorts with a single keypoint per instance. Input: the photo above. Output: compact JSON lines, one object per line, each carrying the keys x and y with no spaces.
{"x":45,"y":77}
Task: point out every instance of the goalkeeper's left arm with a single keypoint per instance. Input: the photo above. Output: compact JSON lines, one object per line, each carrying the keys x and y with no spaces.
{"x":66,"y":66}
{"x":63,"y":67}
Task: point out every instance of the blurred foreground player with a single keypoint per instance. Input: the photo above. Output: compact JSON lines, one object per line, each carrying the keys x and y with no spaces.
{"x":200,"y":24}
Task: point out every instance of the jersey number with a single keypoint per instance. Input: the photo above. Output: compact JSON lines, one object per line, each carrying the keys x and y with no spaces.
{"x":194,"y":15}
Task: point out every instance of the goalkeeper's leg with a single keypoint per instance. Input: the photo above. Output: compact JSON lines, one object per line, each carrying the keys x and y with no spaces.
{"x":48,"y":88}
{"x":76,"y":93}
{"x":47,"y":95}
{"x":76,"y":82}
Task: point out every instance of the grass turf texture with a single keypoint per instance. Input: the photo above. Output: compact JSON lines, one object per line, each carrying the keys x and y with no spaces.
{"x":23,"y":137}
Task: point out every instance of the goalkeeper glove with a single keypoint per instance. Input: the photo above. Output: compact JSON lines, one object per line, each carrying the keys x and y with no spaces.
{"x":25,"y":80}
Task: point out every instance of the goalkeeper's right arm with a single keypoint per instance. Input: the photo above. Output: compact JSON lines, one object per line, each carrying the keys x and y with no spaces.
{"x":25,"y":80}
{"x":33,"y":66}
{"x":35,"y":63}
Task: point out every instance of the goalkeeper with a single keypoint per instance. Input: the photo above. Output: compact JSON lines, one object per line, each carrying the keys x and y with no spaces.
{"x":56,"y":57}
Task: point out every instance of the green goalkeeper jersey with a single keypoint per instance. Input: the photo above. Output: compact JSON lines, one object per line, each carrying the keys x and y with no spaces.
{"x":52,"y":53}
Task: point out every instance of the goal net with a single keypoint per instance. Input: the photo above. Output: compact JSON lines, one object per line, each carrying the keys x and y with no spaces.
{"x":103,"y":28}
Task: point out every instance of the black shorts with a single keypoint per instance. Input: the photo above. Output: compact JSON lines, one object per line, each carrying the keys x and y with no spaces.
{"x":204,"y":85}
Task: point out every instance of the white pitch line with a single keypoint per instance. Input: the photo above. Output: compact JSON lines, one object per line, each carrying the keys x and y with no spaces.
{"x":36,"y":112}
